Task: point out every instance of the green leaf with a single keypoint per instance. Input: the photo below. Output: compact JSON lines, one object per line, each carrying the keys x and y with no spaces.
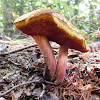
{"x":2,"y":21}
{"x":94,"y":3}
{"x":88,"y":42}
{"x":75,"y":7}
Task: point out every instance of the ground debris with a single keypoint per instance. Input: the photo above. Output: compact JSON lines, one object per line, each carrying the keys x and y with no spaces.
{"x":82,"y":81}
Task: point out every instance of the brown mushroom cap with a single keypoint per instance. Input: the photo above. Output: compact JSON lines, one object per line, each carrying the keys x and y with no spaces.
{"x":54,"y":26}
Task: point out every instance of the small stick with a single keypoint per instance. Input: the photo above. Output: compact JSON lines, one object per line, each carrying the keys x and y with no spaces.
{"x":26,"y":47}
{"x":43,"y":91}
{"x":29,"y":82}
{"x":13,"y":62}
{"x":7,"y":92}
{"x":88,"y":23}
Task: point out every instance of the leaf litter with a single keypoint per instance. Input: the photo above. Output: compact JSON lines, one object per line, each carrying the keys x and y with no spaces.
{"x":82,"y":81}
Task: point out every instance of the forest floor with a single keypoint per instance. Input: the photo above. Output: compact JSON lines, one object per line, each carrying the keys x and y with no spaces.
{"x":21,"y":74}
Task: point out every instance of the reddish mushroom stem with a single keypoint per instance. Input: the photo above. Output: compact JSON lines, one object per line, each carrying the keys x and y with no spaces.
{"x":61,"y":64}
{"x":47,"y":52}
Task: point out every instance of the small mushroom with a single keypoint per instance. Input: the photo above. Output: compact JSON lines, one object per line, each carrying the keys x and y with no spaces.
{"x":48,"y":25}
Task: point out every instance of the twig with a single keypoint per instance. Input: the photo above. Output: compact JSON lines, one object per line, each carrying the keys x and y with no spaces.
{"x":26,"y":47}
{"x":88,"y":23}
{"x":4,"y":54}
{"x":13,"y":62}
{"x":43,"y":91}
{"x":2,"y":41}
{"x":7,"y":92}
{"x":29,"y":82}
{"x":73,"y":18}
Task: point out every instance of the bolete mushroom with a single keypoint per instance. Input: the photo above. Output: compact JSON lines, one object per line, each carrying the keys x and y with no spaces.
{"x":48,"y":25}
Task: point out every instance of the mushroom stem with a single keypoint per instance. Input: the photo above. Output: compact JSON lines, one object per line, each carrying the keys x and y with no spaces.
{"x":61,"y":64}
{"x":47,"y":52}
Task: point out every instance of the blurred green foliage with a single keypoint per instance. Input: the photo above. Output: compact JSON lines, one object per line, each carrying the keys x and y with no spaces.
{"x":76,"y":11}
{"x":88,"y":42}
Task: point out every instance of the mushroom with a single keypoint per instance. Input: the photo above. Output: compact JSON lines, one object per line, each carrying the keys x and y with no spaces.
{"x":48,"y":25}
